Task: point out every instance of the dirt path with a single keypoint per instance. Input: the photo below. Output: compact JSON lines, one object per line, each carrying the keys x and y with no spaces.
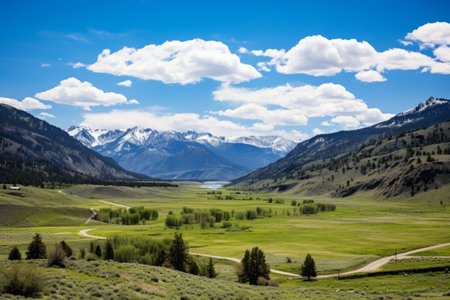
{"x":120,"y":205}
{"x":84,"y":233}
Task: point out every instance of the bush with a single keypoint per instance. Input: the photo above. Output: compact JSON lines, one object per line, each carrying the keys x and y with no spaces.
{"x":226,"y":224}
{"x":308,"y":209}
{"x":82,"y":254}
{"x":56,"y":256}
{"x":21,"y":280}
{"x":127,"y":253}
{"x":15,"y":254}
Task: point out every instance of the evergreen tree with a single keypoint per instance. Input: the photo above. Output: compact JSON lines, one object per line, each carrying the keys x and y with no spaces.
{"x":178,"y":253}
{"x":82,"y":254}
{"x":15,"y":254}
{"x":309,"y":267}
{"x":253,"y":266}
{"x":4,"y":186}
{"x":36,"y":249}
{"x":98,"y":251}
{"x":66,"y":248}
{"x":109,"y":251}
{"x":193,"y":268}
{"x":211,"y":272}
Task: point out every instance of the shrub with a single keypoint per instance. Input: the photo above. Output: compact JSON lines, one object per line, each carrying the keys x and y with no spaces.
{"x":91,"y":257}
{"x":226,"y":224}
{"x":308,"y":209}
{"x":15,"y":254}
{"x":56,"y":256}
{"x":21,"y":280}
{"x":36,"y":249}
{"x":82,"y":254}
{"x":127,"y":253}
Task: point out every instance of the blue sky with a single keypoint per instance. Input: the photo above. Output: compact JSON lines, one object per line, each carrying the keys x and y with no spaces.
{"x":206,"y":66}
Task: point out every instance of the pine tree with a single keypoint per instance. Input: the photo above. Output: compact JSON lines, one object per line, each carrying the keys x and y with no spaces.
{"x":309,"y":267}
{"x":211,"y":272}
{"x":109,"y":251}
{"x":253,"y":266}
{"x":36,"y":249}
{"x":178,"y":253}
{"x":193,"y":268}
{"x":82,"y":254}
{"x":15,"y":254}
{"x":98,"y":251}
{"x":66,"y":248}
{"x":4,"y":186}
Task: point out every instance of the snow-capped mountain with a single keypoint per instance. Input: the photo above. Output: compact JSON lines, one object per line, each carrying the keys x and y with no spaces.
{"x":155,"y":152}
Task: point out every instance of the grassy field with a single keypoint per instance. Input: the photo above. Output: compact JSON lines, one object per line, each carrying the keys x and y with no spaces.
{"x":359,"y":231}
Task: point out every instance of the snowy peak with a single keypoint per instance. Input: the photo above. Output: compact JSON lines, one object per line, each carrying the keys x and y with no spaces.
{"x":431,"y":102}
{"x":125,"y":140}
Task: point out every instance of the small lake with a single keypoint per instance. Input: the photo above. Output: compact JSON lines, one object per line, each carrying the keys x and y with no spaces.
{"x":213,"y":185}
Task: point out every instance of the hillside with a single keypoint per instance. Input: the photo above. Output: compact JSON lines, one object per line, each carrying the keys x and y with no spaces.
{"x":309,"y":167}
{"x":183,"y":155}
{"x":34,"y":151}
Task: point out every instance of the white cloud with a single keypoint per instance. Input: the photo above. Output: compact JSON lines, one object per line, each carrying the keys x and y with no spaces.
{"x":46,"y":115}
{"x":369,"y":76}
{"x":44,"y":65}
{"x":126,"y":83}
{"x":431,"y":34}
{"x":26,"y":104}
{"x":242,"y":50}
{"x":133,"y":101}
{"x":319,"y":56}
{"x":177,"y":62}
{"x":77,"y":65}
{"x":72,"y":91}
{"x":305,"y":101}
{"x":347,"y":122}
{"x":121,"y":119}
{"x":326,"y":123}
{"x":281,"y":117}
{"x":405,"y":43}
{"x":317,"y":131}
{"x":442,"y":53}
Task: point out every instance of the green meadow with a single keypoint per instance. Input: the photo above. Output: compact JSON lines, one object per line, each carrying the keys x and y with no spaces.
{"x":359,"y":231}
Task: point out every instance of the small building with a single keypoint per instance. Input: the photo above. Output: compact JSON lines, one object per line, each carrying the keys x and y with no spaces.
{"x":14,"y":188}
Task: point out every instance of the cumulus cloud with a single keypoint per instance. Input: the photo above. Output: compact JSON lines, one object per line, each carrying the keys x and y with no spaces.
{"x":299,"y":103}
{"x":126,"y":83}
{"x":26,"y":104}
{"x":431,"y":34}
{"x":347,"y":122}
{"x":369,"y":76}
{"x":72,"y":91}
{"x":121,"y":119}
{"x":251,"y":111}
{"x":319,"y":56}
{"x":326,"y":123}
{"x":442,"y":53}
{"x":182,"y":62}
{"x":46,"y":115}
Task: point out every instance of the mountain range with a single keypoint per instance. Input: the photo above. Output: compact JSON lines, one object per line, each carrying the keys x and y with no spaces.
{"x":33,"y":151}
{"x":296,"y":170}
{"x":184,"y":155}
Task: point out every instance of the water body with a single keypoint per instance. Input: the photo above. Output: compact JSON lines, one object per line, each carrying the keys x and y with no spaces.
{"x":213,"y":185}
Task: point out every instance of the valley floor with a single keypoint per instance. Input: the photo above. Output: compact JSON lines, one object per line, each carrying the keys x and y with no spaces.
{"x":359,"y":232}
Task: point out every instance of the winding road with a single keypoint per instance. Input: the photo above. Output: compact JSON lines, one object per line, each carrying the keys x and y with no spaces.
{"x":373,"y":266}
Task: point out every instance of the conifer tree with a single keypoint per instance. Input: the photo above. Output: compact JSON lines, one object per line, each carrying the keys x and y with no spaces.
{"x":309,"y":267}
{"x":15,"y":254}
{"x":98,"y":251}
{"x":36,"y":249}
{"x":109,"y":251}
{"x":211,"y":272}
{"x":178,"y":253}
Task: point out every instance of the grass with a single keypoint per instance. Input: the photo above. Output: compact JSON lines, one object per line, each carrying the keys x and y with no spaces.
{"x":359,"y":231}
{"x":111,"y":280}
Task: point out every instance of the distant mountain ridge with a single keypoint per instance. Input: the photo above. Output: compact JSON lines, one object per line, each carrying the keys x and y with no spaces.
{"x":326,"y":146}
{"x":183,"y":155}
{"x":32,"y":147}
